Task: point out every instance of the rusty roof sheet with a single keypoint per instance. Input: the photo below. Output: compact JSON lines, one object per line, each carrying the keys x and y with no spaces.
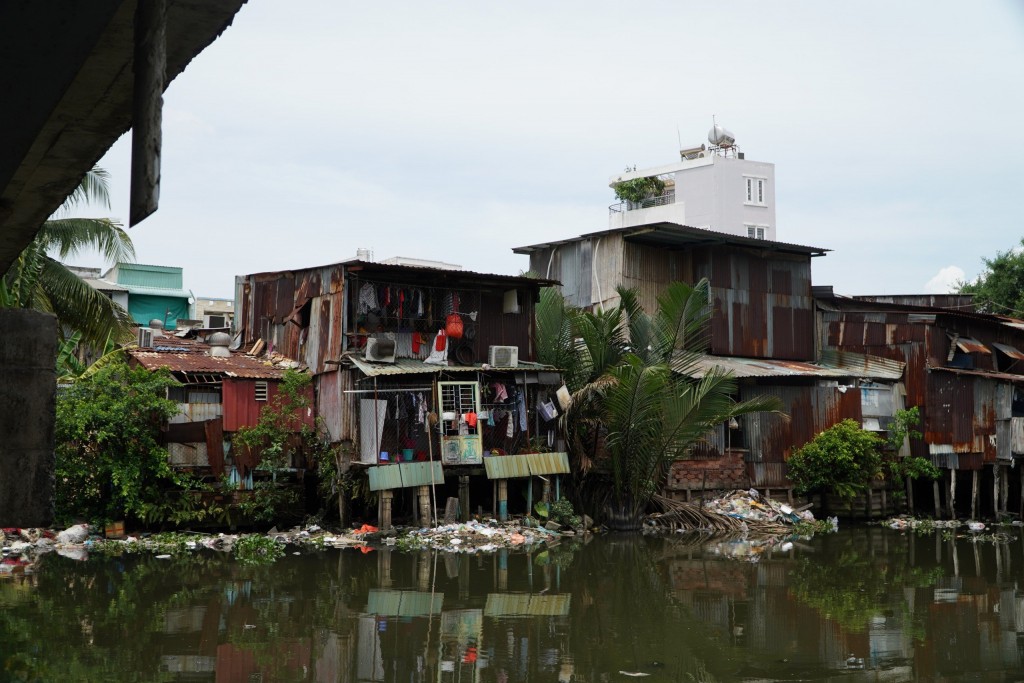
{"x":863,"y":365}
{"x":968,"y":345}
{"x":759,"y":367}
{"x":989,"y":374}
{"x":235,"y":365}
{"x":369,"y":268}
{"x":1009,"y":350}
{"x":415,"y":366}
{"x":676,"y":236}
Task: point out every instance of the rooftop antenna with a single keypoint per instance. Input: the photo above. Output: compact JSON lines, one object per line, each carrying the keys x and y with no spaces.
{"x":679,"y":138}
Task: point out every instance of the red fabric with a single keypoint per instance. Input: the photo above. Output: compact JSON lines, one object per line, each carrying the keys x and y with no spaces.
{"x":441,"y":342}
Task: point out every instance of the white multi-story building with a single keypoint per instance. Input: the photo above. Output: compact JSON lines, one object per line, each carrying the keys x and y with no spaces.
{"x":715,"y":188}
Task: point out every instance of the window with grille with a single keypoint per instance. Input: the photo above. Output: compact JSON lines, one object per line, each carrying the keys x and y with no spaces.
{"x":458,"y":405}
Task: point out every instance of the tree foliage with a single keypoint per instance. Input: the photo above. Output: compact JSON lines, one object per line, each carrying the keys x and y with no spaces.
{"x":639,"y":189}
{"x":843,"y":459}
{"x":638,"y":403}
{"x":1000,"y":288}
{"x":904,"y":426}
{"x":109,"y":462}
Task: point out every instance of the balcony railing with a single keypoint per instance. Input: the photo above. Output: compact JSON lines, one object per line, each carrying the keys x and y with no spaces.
{"x":661,"y":200}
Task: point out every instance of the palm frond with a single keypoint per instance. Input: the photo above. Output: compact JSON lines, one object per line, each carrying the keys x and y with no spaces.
{"x":93,"y":188}
{"x":68,"y":236}
{"x":681,"y":320}
{"x":80,"y":307}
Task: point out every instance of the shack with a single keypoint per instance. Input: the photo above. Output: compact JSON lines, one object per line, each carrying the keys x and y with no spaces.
{"x":221,"y":392}
{"x":965,"y":371}
{"x":425,"y":376}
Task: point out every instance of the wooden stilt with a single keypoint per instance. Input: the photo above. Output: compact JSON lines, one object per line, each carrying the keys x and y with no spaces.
{"x":464,"y":496}
{"x":910,"y":496}
{"x":384,"y":511}
{"x":503,"y":500}
{"x":952,"y":494}
{"x":424,"y":495}
{"x":384,"y":567}
{"x":1004,"y":497}
{"x":938,"y":501}
{"x":995,"y":491}
{"x":974,"y":494}
{"x":1021,"y":468}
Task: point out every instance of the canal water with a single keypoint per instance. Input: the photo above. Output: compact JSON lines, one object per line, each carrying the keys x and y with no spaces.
{"x":864,"y":604}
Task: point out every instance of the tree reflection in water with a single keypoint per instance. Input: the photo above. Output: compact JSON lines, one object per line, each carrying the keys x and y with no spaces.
{"x":678,"y":608}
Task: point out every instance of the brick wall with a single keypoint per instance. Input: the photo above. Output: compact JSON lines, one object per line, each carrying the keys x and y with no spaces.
{"x":727,"y":471}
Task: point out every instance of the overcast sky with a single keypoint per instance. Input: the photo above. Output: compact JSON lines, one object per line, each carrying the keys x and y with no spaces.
{"x":456,"y":131}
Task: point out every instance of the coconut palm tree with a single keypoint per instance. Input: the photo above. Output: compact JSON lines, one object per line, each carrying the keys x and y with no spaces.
{"x":38,"y":279}
{"x":639,"y":401}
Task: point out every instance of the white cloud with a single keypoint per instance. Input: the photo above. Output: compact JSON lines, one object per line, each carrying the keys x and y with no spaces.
{"x":944,"y":281}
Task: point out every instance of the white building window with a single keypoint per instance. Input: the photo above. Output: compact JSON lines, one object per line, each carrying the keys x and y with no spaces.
{"x":755,"y":191}
{"x":757,"y":231}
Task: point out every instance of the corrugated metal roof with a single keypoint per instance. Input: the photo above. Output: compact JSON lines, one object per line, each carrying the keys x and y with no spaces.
{"x":506,"y":466}
{"x":758,"y":367}
{"x":548,"y":463}
{"x":862,"y":364}
{"x":1001,"y":376}
{"x":968,"y":345}
{"x":157,"y":291}
{"x":1009,"y":350}
{"x":674,"y":235}
{"x":415,"y":366}
{"x":527,"y":605}
{"x":368,"y":267}
{"x":394,"y":603}
{"x":404,"y":475}
{"x":236,"y":365}
{"x":103,"y":285}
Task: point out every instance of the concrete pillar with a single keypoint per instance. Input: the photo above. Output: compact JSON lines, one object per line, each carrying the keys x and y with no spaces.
{"x":28,"y":351}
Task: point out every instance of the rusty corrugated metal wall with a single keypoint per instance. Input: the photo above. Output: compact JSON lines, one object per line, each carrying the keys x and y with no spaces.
{"x":811,"y":410}
{"x":762,"y":304}
{"x":338,"y":410}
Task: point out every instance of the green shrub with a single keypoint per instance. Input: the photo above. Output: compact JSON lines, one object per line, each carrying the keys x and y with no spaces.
{"x":843,"y":459}
{"x":109,"y":462}
{"x":639,"y":189}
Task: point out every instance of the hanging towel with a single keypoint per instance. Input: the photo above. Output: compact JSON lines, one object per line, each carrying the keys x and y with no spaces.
{"x":521,"y":408}
{"x":500,"y":393}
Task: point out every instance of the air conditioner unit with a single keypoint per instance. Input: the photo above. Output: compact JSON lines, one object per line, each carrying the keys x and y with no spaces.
{"x":503,"y":356}
{"x":145,"y":338}
{"x":380,"y":350}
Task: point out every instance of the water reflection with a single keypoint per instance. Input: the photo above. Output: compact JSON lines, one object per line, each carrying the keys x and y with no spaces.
{"x":864,"y":604}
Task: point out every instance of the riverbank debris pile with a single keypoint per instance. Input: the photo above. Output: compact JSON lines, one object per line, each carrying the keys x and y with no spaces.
{"x":736,"y":511}
{"x":476,"y":536}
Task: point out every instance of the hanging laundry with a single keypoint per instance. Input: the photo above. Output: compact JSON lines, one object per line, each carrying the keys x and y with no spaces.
{"x":422,"y":409}
{"x":419,"y":304}
{"x":521,"y":408}
{"x":367,"y":298}
{"x":438,"y":351}
{"x":500,"y":393}
{"x":510,"y":427}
